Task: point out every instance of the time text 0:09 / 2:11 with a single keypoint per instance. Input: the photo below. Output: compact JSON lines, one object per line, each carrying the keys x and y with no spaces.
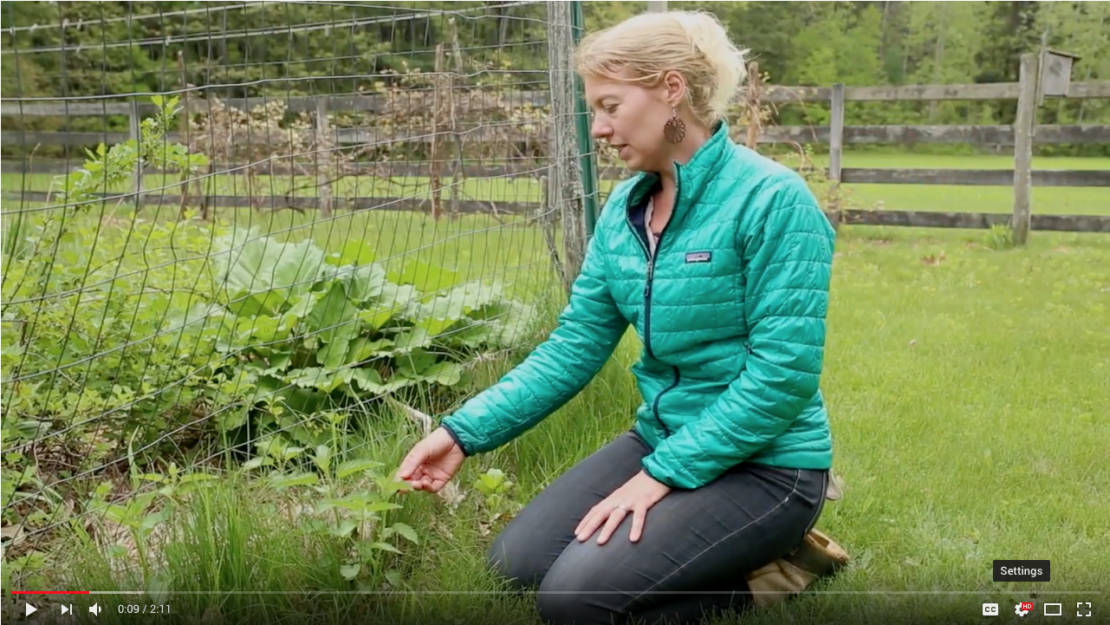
{"x":131,"y":608}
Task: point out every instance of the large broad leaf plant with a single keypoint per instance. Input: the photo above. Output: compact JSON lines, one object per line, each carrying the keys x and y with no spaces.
{"x":300,"y":334}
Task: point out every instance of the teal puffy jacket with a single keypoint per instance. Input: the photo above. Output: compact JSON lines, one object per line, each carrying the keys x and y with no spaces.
{"x":731,"y":313}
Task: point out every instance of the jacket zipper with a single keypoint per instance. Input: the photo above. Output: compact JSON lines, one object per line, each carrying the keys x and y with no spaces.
{"x":647,"y":302}
{"x":647,"y":329}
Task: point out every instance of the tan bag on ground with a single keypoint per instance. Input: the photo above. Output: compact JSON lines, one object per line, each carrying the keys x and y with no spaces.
{"x":818,"y":556}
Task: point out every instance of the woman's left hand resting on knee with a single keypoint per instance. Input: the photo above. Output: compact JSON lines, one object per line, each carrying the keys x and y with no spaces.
{"x":432,"y":462}
{"x":637,"y":495}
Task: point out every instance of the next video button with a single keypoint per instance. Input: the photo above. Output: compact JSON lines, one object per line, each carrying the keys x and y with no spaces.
{"x":1021,"y":571}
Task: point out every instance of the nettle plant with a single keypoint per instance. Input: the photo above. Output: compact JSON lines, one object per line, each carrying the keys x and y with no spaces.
{"x":354,"y":499}
{"x":301,"y":334}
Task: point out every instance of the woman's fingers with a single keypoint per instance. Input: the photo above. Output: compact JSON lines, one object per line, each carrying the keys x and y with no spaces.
{"x":615,"y":517}
{"x":609,"y":519}
{"x":638,"y":517}
{"x":597,"y":516}
{"x":430,"y":477}
{"x":430,"y":465}
{"x":592,"y":521}
{"x":416,"y":479}
{"x":589,"y":524}
{"x":412,"y":463}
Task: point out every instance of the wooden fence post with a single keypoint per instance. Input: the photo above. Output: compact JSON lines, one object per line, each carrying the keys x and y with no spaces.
{"x":183,"y":130}
{"x":133,"y":128}
{"x":323,"y":130}
{"x":836,"y":150}
{"x":753,"y":103}
{"x":565,"y":189}
{"x":436,"y":180}
{"x":453,"y":116}
{"x":1024,"y":127}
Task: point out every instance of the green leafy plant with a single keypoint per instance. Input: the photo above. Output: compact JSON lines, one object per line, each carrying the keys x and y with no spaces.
{"x":79,"y":291}
{"x":150,"y":502}
{"x":355,"y":497}
{"x":496,"y":489}
{"x":108,"y":168}
{"x":305,"y":335}
{"x":104,"y":333}
{"x":96,"y":354}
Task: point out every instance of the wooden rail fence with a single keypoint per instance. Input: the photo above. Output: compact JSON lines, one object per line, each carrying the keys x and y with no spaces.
{"x":1021,"y":137}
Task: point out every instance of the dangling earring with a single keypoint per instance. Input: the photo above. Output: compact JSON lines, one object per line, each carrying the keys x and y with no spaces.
{"x":675,"y":129}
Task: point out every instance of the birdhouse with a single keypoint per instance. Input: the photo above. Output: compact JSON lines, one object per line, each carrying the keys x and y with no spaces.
{"x":1055,"y":73}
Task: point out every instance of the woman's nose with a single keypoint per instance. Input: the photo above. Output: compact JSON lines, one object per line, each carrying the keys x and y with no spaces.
{"x":599,"y":129}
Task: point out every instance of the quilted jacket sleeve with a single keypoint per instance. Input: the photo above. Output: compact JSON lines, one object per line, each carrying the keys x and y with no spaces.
{"x":589,"y":329}
{"x":789,"y":265}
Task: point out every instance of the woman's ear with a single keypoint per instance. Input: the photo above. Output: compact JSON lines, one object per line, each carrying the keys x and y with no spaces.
{"x":675,"y":85}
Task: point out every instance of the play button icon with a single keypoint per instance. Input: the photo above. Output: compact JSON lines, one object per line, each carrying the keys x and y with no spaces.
{"x":30,"y":610}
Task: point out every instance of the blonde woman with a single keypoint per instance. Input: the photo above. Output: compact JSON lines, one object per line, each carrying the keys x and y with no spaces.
{"x":721,"y":260}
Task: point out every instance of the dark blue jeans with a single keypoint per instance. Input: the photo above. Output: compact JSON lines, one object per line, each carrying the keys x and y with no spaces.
{"x":696,"y":549}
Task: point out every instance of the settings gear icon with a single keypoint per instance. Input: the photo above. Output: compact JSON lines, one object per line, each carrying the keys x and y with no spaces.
{"x":1020,"y":610}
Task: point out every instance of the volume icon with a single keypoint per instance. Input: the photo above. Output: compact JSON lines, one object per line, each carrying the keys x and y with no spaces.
{"x":95,"y":609}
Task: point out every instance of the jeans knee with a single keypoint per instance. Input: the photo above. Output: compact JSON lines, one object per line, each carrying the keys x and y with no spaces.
{"x":498,"y":557}
{"x":580,"y":596}
{"x":558,"y":608}
{"x":562,"y":607}
{"x":511,"y":559}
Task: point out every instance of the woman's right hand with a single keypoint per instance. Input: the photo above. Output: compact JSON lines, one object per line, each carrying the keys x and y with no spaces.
{"x":432,"y":462}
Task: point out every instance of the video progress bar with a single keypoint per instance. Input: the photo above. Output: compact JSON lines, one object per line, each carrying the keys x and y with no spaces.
{"x":52,"y":592}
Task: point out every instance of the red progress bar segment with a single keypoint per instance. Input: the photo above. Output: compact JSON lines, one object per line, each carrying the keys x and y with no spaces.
{"x":50,"y":592}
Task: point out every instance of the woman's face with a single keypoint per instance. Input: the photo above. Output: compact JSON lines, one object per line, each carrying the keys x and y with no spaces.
{"x":630,"y":118}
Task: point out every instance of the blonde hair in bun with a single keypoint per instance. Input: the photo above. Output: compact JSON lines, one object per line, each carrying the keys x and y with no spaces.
{"x":647,"y":46}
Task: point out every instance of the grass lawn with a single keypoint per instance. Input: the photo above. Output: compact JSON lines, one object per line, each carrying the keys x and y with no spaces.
{"x":526,"y":189}
{"x":968,"y":395}
{"x":956,"y":198}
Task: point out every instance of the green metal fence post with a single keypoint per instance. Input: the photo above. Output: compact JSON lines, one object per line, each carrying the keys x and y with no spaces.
{"x":587,"y":158}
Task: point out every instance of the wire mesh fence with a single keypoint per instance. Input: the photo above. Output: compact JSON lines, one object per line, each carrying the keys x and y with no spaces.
{"x":230,"y":229}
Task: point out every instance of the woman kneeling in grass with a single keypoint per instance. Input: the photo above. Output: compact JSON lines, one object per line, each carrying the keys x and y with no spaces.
{"x":721,"y":260}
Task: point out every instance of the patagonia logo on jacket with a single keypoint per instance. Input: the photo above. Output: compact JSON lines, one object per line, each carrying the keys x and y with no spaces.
{"x":699,"y":257}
